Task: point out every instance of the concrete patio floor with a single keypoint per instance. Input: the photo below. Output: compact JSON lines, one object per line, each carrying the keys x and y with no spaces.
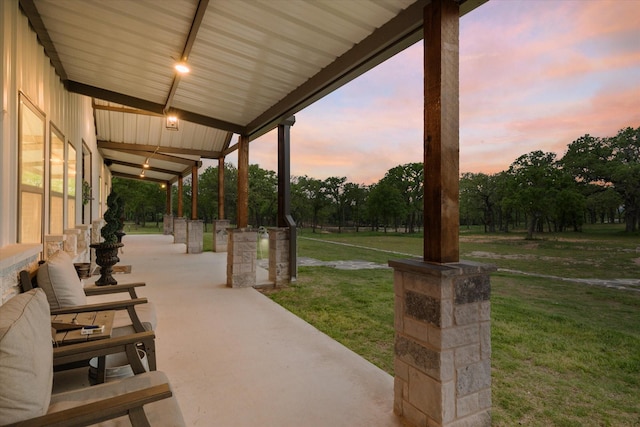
{"x":235,"y":358}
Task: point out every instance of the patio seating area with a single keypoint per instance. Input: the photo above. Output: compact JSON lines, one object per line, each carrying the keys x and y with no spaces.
{"x":236,"y":358}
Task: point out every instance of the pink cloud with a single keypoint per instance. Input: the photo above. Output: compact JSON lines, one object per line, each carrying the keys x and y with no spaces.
{"x":531,"y":77}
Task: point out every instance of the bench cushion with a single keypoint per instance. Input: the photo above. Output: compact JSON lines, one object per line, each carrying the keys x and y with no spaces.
{"x":59,"y":280}
{"x":26,"y":359}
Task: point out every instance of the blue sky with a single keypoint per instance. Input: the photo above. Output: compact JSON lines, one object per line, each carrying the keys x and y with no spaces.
{"x":534,"y":75}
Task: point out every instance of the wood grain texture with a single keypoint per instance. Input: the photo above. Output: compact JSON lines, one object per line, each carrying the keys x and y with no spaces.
{"x":243,"y":182}
{"x":441,"y":131}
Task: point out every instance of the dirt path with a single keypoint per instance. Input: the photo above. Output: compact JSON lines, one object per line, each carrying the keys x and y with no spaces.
{"x":625,"y":284}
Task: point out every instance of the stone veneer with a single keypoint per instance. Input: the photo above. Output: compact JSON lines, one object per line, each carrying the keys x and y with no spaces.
{"x":443,"y":343}
{"x":71,"y":242}
{"x":53,"y":243}
{"x":84,"y":239}
{"x":179,"y":230}
{"x":13,"y":259}
{"x":220,"y":235}
{"x":242,"y":258}
{"x":195,"y":230}
{"x":167,"y":224}
{"x":279,"y":272}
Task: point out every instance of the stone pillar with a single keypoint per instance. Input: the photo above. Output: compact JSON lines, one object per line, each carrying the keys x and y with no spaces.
{"x":71,"y":242}
{"x":279,"y":272}
{"x":96,"y":237}
{"x":84,"y":239}
{"x":167,"y":224}
{"x":220,"y":235}
{"x":96,"y":226}
{"x":179,"y":230}
{"x":242,"y":249}
{"x":443,"y":343}
{"x":195,"y":234}
{"x":52,"y":244}
{"x":13,"y":259}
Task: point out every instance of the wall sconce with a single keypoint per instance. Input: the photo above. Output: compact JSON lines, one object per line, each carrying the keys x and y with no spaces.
{"x":142,"y":173}
{"x":172,"y":123}
{"x":146,"y":164}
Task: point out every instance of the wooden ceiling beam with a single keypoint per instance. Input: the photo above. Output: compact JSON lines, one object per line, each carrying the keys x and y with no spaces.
{"x":191,"y":38}
{"x":137,"y":177}
{"x":156,"y":156}
{"x":141,"y":167}
{"x":108,"y":145}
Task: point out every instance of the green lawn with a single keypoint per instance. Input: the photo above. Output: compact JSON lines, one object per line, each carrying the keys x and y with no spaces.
{"x":564,"y":354}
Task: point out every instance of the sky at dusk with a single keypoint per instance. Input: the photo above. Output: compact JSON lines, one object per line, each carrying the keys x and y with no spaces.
{"x":534,"y":75}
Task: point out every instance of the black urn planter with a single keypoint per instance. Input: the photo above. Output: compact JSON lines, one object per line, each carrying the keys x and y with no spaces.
{"x":106,"y":258}
{"x":120,"y":234}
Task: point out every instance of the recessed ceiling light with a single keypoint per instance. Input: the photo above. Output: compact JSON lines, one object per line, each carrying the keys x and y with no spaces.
{"x":182,"y":67}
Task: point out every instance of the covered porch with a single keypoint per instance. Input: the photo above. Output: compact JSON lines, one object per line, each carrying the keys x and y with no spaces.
{"x":235,"y":358}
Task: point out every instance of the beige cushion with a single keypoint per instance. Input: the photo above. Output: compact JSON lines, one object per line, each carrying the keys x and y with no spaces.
{"x":165,"y":412}
{"x":59,"y":280}
{"x":26,"y":357}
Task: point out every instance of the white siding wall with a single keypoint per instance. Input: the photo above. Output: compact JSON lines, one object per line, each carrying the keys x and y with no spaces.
{"x":25,"y":68}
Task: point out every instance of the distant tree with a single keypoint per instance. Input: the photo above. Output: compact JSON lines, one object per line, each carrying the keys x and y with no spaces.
{"x":604,"y":205}
{"x":535,"y":175}
{"x":356,"y":196}
{"x":142,"y":200}
{"x":334,"y":188}
{"x":479,"y":198}
{"x":408,"y":179}
{"x":301,"y":209}
{"x":208,"y":194}
{"x":314,"y":191}
{"x":385,"y":204}
{"x":602,"y":163}
{"x":263,"y":196}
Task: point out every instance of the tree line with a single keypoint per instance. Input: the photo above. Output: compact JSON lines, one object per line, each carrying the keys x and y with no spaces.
{"x":597,"y":180}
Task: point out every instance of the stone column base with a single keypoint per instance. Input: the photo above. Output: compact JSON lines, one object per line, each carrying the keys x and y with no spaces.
{"x":195,"y":233}
{"x":179,"y":230}
{"x":443,"y":343}
{"x":71,"y":242}
{"x":53,"y":243}
{"x":220,"y":235}
{"x":279,"y":269}
{"x":84,"y":239}
{"x":242,"y":258}
{"x":167,"y":224}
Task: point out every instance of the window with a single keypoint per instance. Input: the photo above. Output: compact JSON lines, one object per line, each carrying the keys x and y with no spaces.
{"x":71,"y":186}
{"x":31,"y":136}
{"x":56,"y":182}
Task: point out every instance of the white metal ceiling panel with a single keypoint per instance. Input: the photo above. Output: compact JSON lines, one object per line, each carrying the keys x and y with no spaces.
{"x":254,"y":62}
{"x":121,"y":45}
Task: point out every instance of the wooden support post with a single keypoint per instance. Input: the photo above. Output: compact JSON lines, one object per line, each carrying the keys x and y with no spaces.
{"x":221,"y":188}
{"x":441,"y":131}
{"x":284,"y":199}
{"x":243,"y":182}
{"x":180,"y":196}
{"x":194,"y":191}
{"x":168,"y":189}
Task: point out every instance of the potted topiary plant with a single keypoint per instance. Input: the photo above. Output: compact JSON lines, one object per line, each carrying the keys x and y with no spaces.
{"x":120,"y":214}
{"x":107,"y":250}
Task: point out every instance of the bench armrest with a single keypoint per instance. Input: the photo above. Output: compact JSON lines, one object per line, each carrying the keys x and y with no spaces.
{"x":126,"y":404}
{"x":128,"y":305}
{"x":111,"y":305}
{"x":87,"y":350}
{"x":91,"y":290}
